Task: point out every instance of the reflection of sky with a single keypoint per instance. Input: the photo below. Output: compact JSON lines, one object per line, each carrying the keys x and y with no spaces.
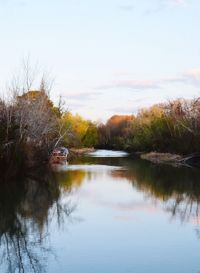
{"x":107,"y":56}
{"x":106,"y":153}
{"x":122,"y":231}
{"x":119,"y":198}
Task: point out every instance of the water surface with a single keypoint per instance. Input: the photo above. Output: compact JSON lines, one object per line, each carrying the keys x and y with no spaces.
{"x":105,"y":212}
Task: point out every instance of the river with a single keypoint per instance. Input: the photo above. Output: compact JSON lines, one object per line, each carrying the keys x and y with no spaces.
{"x":103,"y":213}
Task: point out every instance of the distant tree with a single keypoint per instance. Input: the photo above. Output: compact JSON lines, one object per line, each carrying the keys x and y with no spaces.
{"x":90,"y":138}
{"x":115,"y":132}
{"x":78,"y":127}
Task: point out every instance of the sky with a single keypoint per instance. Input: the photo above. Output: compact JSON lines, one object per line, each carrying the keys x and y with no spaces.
{"x":106,"y":56}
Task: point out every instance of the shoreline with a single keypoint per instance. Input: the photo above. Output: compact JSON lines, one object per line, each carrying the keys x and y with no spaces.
{"x":163,"y":158}
{"x":76,"y":152}
{"x":176,"y":160}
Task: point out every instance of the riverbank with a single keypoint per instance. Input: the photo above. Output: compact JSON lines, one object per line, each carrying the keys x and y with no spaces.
{"x":164,"y":158}
{"x":192,"y":160}
{"x":74,"y":152}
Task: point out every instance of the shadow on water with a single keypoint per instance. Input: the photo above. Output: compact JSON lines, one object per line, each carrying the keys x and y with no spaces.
{"x":178,"y":189}
{"x":27,"y":206}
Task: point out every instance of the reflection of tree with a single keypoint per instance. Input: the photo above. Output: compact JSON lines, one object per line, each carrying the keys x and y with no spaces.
{"x":177,"y":188}
{"x":21,"y":250}
{"x":187,"y":208}
{"x":110,"y":161}
{"x":72,"y":179}
{"x":26,"y":208}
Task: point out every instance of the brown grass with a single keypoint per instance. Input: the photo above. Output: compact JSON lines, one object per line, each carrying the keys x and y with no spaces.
{"x":162,"y":158}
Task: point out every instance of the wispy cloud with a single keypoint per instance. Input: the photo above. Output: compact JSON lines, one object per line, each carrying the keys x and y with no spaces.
{"x":191,"y":77}
{"x":131,"y":84}
{"x":127,"y":7}
{"x":19,"y":3}
{"x":177,"y":2}
{"x":82,"y":96}
{"x":161,"y":5}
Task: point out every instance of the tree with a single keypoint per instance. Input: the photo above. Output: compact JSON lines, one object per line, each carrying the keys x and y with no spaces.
{"x":90,"y":138}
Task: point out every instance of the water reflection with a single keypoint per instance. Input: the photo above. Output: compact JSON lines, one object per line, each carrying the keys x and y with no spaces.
{"x":27,"y":206}
{"x":107,"y":153}
{"x":177,"y":189}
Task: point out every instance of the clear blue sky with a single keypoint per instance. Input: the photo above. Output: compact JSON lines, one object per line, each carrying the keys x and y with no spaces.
{"x":107,"y":56}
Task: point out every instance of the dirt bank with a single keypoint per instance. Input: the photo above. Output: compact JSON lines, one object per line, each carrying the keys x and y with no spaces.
{"x":163,"y":158}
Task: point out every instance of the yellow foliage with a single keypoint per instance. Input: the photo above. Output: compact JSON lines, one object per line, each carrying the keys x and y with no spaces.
{"x":76,"y":123}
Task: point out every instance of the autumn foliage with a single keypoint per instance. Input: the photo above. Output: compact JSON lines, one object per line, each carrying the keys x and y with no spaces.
{"x":115,"y":133}
{"x":169,"y":127}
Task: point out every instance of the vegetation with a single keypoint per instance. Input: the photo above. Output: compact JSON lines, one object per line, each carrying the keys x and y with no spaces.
{"x":171,"y":127}
{"x":82,"y":132}
{"x":31,"y":126}
{"x":116,"y":132}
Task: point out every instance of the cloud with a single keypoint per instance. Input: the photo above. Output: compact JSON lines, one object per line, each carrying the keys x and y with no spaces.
{"x":132,"y":84}
{"x":191,"y":77}
{"x":161,"y":5}
{"x":20,"y":3}
{"x":82,"y":96}
{"x":125,"y":110}
{"x":178,"y":2}
{"x":127,"y":7}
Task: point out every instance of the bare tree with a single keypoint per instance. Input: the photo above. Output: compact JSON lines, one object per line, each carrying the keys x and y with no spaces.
{"x":30,"y":119}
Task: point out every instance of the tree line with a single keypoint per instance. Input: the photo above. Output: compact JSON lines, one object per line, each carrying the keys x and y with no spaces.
{"x":31,"y":127}
{"x":168,"y":127}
